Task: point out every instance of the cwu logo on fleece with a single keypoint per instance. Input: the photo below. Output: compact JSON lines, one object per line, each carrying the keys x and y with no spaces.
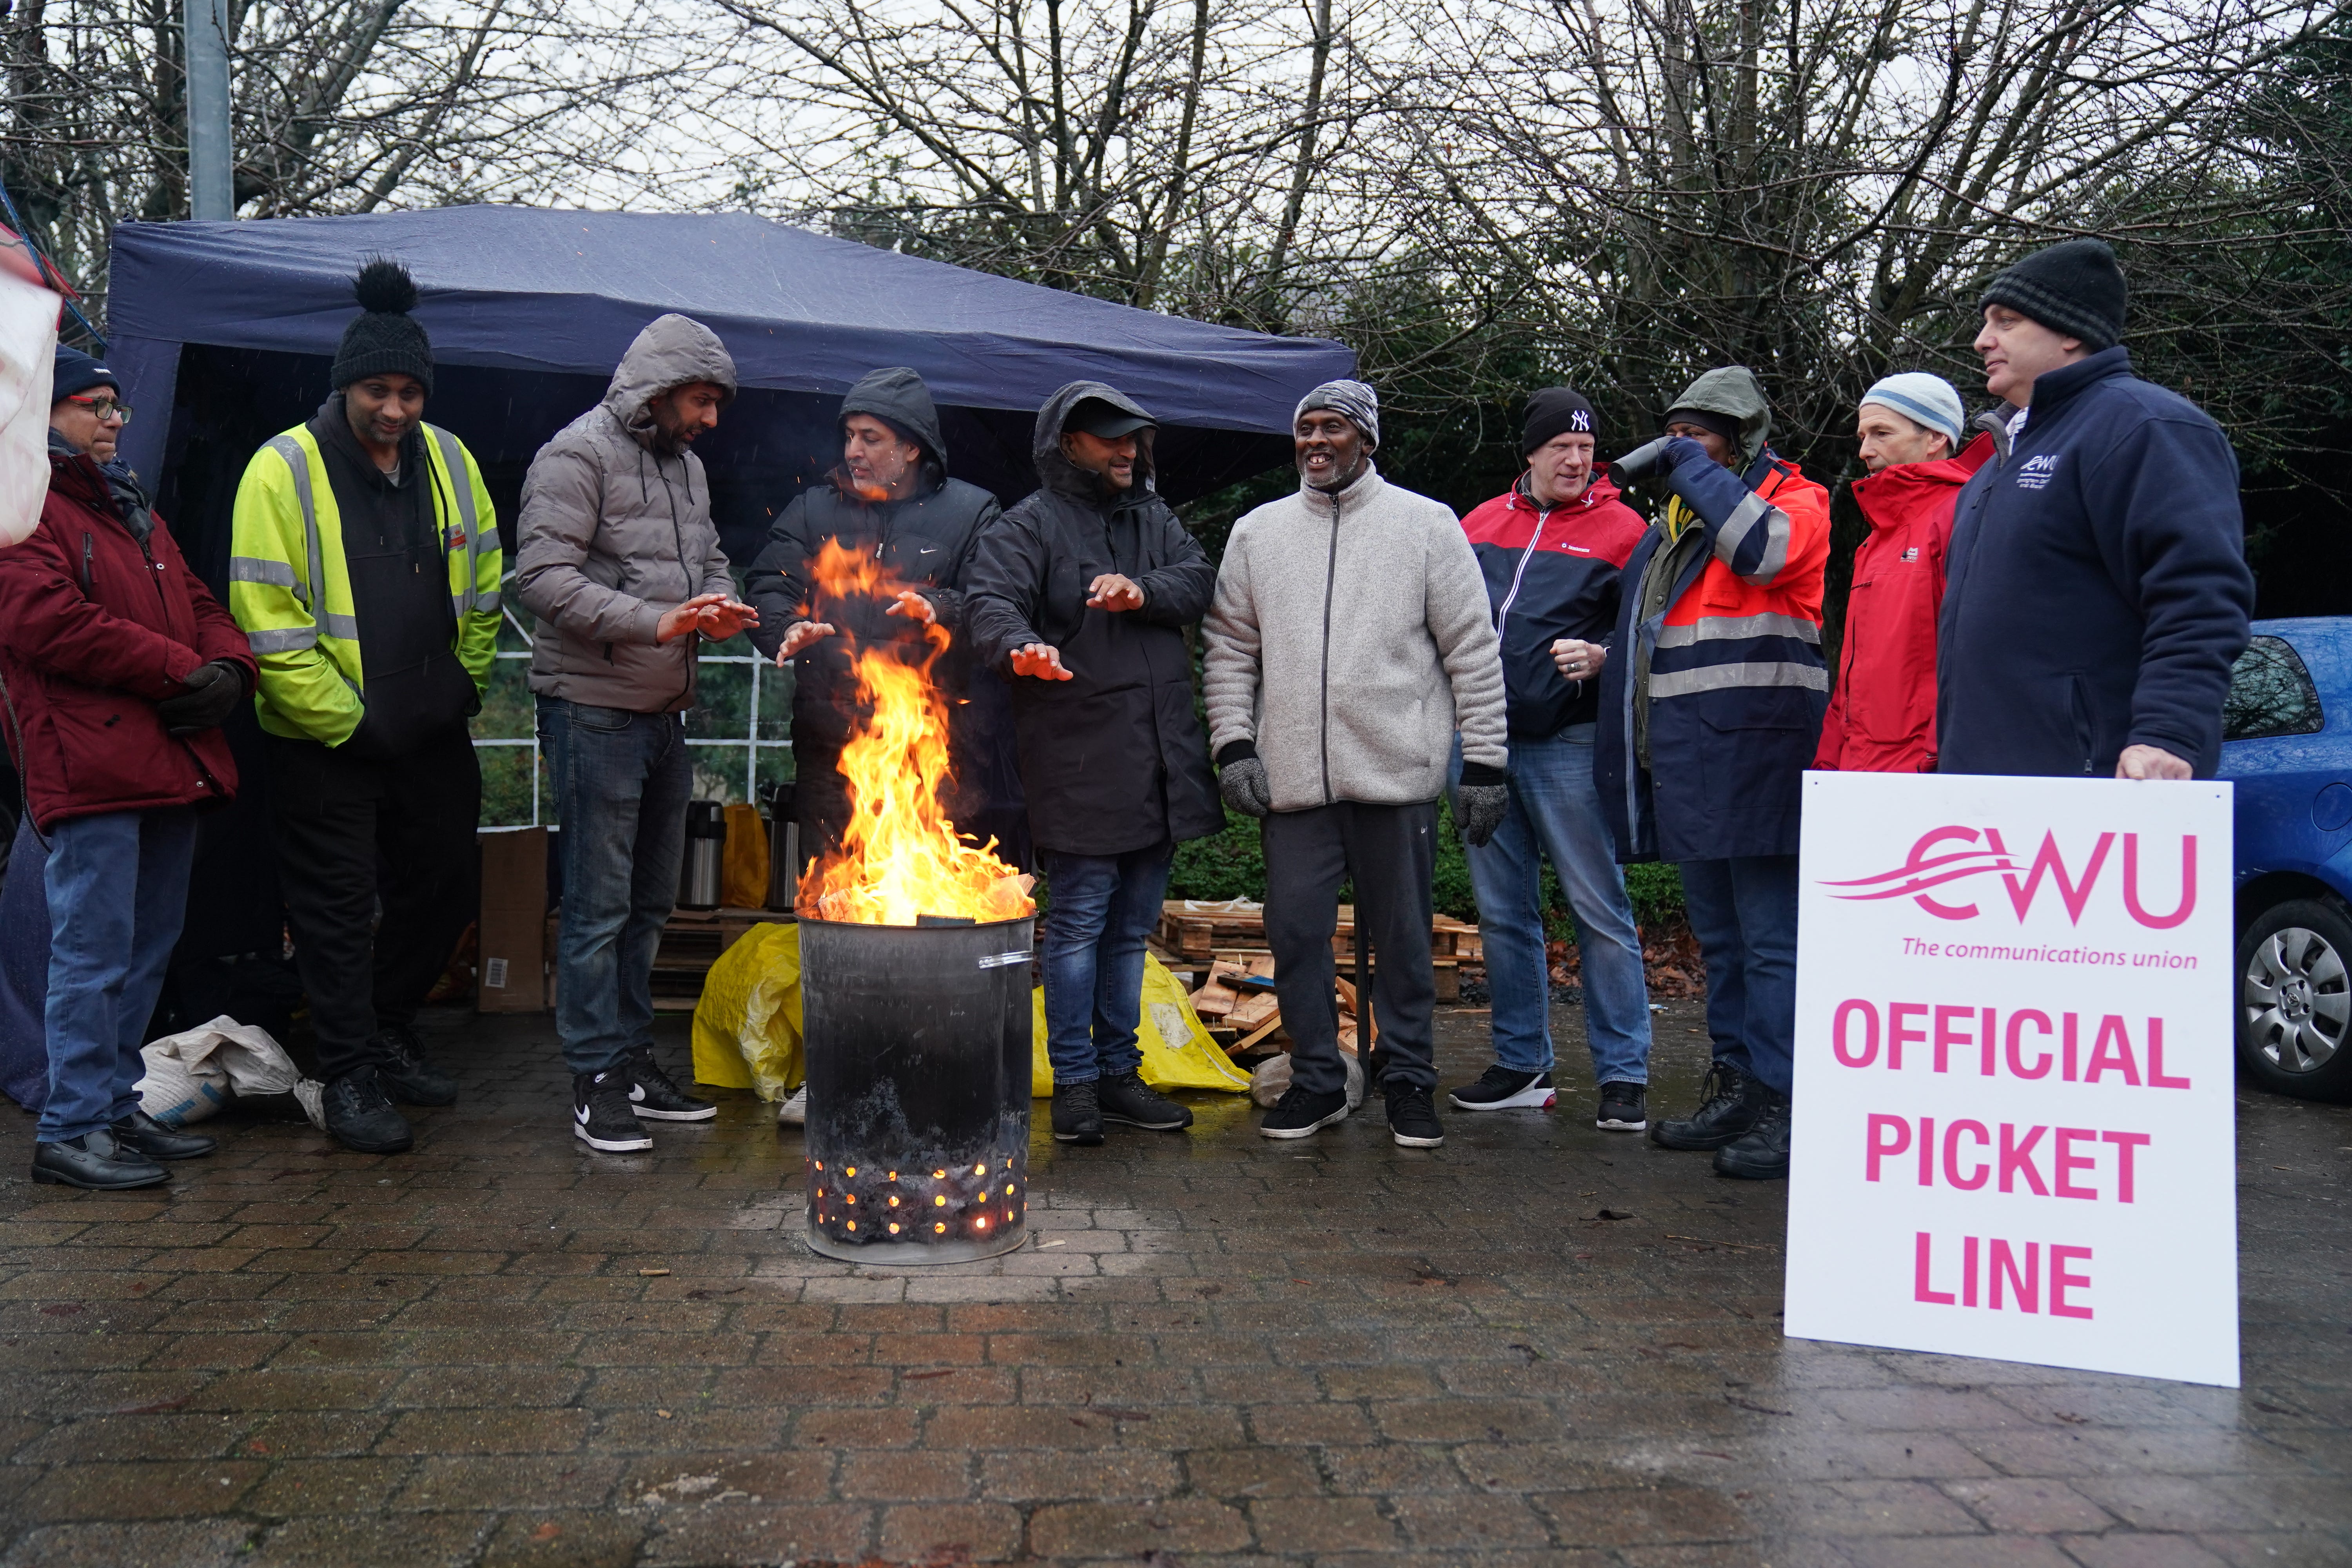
{"x":2038,"y":472}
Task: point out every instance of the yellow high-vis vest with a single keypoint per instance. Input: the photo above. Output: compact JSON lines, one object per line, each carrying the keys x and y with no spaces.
{"x":290,"y":592}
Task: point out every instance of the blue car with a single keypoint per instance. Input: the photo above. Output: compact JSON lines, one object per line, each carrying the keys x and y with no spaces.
{"x":2287,"y":746}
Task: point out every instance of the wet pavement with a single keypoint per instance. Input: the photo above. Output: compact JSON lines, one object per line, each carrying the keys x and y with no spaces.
{"x":1216,"y":1349}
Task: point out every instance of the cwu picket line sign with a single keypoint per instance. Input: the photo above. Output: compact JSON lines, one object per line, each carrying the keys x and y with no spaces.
{"x":2014,"y":1131}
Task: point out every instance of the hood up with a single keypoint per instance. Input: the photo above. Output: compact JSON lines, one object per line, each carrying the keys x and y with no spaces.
{"x":672,"y":351}
{"x":1056,"y":472}
{"x":1735,"y":392}
{"x":898,"y":397}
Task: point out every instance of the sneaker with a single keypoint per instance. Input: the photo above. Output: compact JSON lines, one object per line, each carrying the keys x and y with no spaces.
{"x":1761,"y":1153}
{"x":602,"y":1116}
{"x":1300,"y":1112}
{"x":655,"y":1097}
{"x":404,"y":1073}
{"x":359,"y":1115}
{"x":97,"y":1161}
{"x":1412,"y":1120}
{"x":1127,"y":1099}
{"x":793,"y":1112}
{"x":142,"y":1133}
{"x":1077,"y":1114}
{"x":1731,"y":1100}
{"x":1624,"y":1108}
{"x":1506,"y":1089}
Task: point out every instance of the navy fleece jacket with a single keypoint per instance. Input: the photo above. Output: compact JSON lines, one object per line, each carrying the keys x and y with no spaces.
{"x":2098,"y":589}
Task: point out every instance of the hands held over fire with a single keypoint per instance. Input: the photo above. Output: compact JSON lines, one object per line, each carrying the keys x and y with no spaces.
{"x":798,"y":635}
{"x":716,"y":615}
{"x":914,"y":606}
{"x":1114,"y":593}
{"x":1039,"y":660}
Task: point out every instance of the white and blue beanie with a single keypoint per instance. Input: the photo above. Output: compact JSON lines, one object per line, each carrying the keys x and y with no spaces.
{"x":1928,"y":401}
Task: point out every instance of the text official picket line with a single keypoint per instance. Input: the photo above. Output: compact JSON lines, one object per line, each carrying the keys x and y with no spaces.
{"x":2013,"y":1086}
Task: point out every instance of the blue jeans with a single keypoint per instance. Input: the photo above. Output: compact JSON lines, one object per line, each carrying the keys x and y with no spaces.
{"x":1556,"y":812}
{"x":1099,"y":909}
{"x":622,"y":780}
{"x":118,"y":887}
{"x":1744,"y":913}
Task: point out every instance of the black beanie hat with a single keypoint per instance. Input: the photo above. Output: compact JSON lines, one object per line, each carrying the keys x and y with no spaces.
{"x":1557,"y":411}
{"x":384,"y":340}
{"x":2074,"y":289}
{"x":74,"y":371}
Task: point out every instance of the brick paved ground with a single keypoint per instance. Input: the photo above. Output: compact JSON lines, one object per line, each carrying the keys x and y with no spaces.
{"x":1217,"y":1350}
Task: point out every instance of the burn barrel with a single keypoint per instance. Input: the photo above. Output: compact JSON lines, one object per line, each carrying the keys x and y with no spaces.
{"x":917,"y":1042}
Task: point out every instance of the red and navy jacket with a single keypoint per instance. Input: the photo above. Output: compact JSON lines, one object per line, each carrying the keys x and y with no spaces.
{"x":1551,"y":572}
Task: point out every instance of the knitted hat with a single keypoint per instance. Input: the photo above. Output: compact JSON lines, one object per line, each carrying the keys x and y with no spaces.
{"x":385,"y":340}
{"x":1928,"y":401}
{"x":1724,"y":424}
{"x":1353,"y":401}
{"x":1557,"y":411}
{"x":75,"y":371}
{"x":2074,"y":289}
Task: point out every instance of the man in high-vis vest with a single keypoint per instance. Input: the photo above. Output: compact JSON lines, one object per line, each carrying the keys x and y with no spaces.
{"x":364,"y":571}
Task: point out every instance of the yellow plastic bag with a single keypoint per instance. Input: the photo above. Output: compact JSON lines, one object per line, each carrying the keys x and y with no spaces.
{"x":1177,"y":1051}
{"x":746,"y":1027}
{"x":743,"y":863}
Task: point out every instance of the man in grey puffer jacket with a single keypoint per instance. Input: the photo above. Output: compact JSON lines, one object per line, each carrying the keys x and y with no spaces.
{"x":620,"y":562}
{"x":1349,"y":641}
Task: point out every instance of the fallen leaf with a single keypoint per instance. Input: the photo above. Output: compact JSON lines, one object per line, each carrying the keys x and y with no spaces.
{"x":666,"y":1415}
{"x":547,"y":1531}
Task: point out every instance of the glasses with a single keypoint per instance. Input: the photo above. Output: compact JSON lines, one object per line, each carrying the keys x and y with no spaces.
{"x":104,"y":407}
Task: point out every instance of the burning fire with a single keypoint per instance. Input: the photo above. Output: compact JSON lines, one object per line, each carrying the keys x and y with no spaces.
{"x":899,"y":856}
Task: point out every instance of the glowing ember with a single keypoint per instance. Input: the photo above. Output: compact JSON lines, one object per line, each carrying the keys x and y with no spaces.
{"x":899,"y":856}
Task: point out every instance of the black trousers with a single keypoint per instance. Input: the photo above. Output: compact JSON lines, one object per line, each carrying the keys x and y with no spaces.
{"x":354,"y":836}
{"x":1389,"y":851}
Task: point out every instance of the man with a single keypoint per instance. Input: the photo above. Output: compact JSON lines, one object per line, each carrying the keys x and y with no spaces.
{"x":1710,"y":711}
{"x":620,"y":562}
{"x":1551,"y":549}
{"x":1081,"y":593}
{"x":364,"y":570}
{"x":1881,"y":714}
{"x":891,"y":502}
{"x":120,"y":669}
{"x":2099,"y":590}
{"x":1348,"y":644}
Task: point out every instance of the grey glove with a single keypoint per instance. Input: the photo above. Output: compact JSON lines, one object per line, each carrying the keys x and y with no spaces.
{"x":1478,"y":810}
{"x":1242,"y":780}
{"x":1643,"y":462}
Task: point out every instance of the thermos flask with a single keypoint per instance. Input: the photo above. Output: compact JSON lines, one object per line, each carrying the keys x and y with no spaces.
{"x":705,"y":853}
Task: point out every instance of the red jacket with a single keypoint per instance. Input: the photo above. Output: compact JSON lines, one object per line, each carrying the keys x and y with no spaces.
{"x":1882,"y":717}
{"x":95,"y":629}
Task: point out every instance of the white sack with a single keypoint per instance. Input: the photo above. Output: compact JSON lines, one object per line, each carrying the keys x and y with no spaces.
{"x":191,"y":1075}
{"x":28,"y":344}
{"x":1271,"y":1080}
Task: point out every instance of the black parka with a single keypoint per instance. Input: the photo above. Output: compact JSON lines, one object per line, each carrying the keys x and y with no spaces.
{"x":1115,"y":760}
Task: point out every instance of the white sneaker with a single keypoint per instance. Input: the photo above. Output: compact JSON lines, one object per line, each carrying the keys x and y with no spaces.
{"x":793,"y":1112}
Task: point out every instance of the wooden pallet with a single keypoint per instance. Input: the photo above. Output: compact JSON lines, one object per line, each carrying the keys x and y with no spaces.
{"x":1195,"y":931}
{"x":691,"y":941}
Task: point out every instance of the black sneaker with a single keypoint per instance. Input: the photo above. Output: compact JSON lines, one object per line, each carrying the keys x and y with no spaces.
{"x":1506,"y":1089}
{"x":1412,"y":1120}
{"x":359,"y":1115}
{"x":1127,"y":1099}
{"x":142,"y":1133}
{"x":407,"y":1076}
{"x":1731,"y":1100}
{"x":1761,"y":1153}
{"x":1300,"y":1112}
{"x":1624,"y":1108}
{"x":602,"y":1116}
{"x":97,"y":1161}
{"x":1077,"y":1114}
{"x":653,"y":1096}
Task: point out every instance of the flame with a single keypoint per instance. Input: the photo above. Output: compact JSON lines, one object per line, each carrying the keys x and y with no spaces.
{"x":900,"y":857}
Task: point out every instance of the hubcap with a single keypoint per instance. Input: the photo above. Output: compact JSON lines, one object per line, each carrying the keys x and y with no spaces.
{"x":2297,"y":998}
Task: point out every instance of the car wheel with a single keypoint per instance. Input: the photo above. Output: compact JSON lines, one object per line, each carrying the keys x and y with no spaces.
{"x":2295,"y":1000}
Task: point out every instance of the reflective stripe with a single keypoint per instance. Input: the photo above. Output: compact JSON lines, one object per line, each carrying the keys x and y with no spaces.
{"x":253,"y":569}
{"x":344,"y":627}
{"x":1727,"y":628}
{"x":285,"y":640}
{"x":1728,"y":677}
{"x":299,"y":461}
{"x":483,"y":604}
{"x":1732,"y":537}
{"x":452,"y":458}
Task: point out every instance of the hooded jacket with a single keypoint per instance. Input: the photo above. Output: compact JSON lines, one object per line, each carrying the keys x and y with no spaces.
{"x":615,"y":532}
{"x":98,"y":624}
{"x":1551,"y":572}
{"x":1882,"y":717}
{"x":1711,"y":702}
{"x":2099,"y":590}
{"x":924,"y":540}
{"x":1111,"y":760}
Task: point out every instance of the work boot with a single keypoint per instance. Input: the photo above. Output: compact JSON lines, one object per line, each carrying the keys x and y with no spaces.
{"x":404,"y":1073}
{"x":1127,"y":1098}
{"x":1761,"y":1153}
{"x":359,"y":1115}
{"x":602,"y":1115}
{"x":653,"y":1096}
{"x":1413,"y":1118}
{"x":1300,"y":1112}
{"x":97,"y":1161}
{"x":144,"y":1134}
{"x":1077,"y":1114}
{"x":1731,"y":1101}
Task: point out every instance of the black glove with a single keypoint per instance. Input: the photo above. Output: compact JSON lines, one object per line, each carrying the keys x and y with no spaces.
{"x":212,"y":692}
{"x":1242,"y":779}
{"x":1480,"y":801}
{"x":1654,"y":458}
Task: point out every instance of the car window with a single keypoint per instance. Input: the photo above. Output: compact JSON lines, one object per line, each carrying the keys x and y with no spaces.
{"x":2270,"y":694}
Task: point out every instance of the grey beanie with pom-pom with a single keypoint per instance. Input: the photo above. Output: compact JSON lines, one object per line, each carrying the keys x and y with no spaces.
{"x":384,"y":338}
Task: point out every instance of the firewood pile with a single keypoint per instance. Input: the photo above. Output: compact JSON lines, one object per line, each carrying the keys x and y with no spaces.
{"x":1237,"y":1000}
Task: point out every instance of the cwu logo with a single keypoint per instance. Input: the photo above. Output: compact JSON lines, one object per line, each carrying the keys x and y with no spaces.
{"x":2038,"y":471}
{"x":1931,"y":866}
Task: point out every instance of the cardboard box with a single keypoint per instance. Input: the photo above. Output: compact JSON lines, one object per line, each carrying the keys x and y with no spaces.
{"x":513,"y":973}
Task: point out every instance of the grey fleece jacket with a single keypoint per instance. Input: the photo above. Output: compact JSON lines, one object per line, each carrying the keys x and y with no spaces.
{"x":1349,"y":640}
{"x":615,"y":533}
